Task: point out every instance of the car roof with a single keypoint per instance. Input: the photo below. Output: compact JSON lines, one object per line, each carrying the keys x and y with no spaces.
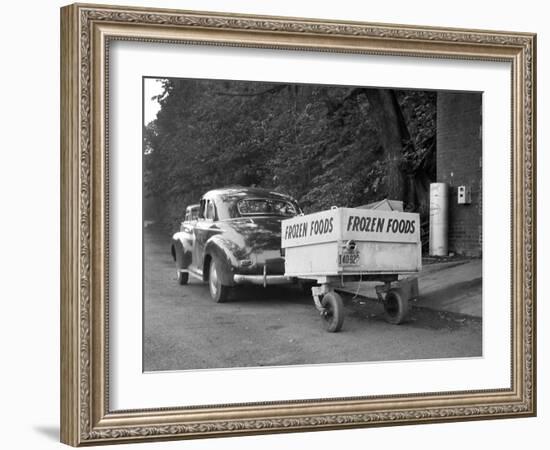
{"x":242,"y":191}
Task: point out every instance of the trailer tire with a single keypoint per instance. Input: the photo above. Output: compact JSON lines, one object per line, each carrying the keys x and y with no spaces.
{"x":396,"y":307}
{"x":333,"y":316}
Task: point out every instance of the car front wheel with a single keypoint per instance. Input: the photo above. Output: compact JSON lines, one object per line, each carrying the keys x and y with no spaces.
{"x":218,"y":291}
{"x":183,"y":277}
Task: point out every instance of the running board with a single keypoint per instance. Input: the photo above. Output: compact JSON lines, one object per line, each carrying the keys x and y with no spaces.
{"x":194,"y":273}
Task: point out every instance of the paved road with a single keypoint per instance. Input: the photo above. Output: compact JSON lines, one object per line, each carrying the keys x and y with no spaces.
{"x":185,"y":329}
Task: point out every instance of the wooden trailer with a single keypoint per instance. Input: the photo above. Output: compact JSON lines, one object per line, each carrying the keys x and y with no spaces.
{"x":341,"y":245}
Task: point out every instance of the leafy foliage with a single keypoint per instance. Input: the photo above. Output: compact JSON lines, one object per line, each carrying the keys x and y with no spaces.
{"x":324,"y":145}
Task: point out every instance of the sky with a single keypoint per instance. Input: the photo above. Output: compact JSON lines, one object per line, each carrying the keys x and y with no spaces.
{"x":151,"y":87}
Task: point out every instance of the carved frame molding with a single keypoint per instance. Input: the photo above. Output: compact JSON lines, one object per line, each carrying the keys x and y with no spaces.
{"x":86,"y":32}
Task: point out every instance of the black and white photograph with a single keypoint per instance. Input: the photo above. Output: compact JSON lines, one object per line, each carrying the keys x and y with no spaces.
{"x":275,"y":225}
{"x":297,"y":224}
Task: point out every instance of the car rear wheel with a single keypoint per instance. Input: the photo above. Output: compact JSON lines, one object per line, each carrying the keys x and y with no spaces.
{"x":218,"y":291}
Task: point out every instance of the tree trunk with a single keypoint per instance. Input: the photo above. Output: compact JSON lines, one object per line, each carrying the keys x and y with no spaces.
{"x":393,"y":133}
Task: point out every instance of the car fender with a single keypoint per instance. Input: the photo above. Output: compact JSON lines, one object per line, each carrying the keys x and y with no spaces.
{"x":220,"y":248}
{"x":182,"y":250}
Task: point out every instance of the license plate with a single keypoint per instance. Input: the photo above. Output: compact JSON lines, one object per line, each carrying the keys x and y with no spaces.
{"x":349,"y":258}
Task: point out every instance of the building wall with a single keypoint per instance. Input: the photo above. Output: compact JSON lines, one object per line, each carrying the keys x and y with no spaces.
{"x":459,"y":162}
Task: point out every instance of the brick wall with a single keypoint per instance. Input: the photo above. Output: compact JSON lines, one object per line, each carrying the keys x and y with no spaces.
{"x":459,"y":148}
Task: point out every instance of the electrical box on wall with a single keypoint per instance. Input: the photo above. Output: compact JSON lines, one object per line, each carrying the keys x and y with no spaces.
{"x":464,"y":195}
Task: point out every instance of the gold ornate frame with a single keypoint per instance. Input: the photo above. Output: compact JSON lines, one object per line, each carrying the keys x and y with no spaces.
{"x":86,"y":31}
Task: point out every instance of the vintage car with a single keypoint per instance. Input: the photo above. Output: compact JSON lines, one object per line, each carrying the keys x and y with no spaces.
{"x":235,"y":240}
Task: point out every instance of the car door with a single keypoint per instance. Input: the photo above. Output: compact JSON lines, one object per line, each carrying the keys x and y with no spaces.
{"x":204,"y":228}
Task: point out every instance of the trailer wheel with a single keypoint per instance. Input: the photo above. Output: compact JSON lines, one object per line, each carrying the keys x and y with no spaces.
{"x":333,"y":316}
{"x":396,"y":307}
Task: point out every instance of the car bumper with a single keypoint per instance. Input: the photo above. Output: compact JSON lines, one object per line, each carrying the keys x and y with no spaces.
{"x":262,"y":280}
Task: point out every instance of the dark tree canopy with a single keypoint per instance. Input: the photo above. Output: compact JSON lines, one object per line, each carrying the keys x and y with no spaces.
{"x":324,"y":145}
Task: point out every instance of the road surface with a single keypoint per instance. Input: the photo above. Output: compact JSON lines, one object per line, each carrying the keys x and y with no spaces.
{"x":185,"y":329}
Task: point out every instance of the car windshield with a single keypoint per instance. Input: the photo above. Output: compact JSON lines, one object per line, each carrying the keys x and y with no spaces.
{"x":265,"y":206}
{"x":192,"y":213}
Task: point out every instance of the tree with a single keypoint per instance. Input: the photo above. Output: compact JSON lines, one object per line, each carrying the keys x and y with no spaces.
{"x":325,"y":145}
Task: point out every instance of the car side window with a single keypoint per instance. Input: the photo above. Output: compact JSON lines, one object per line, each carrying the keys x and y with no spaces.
{"x":202,"y":209}
{"x":210,"y":212}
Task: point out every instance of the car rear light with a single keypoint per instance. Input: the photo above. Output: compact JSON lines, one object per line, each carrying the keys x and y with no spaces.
{"x":282,"y":252}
